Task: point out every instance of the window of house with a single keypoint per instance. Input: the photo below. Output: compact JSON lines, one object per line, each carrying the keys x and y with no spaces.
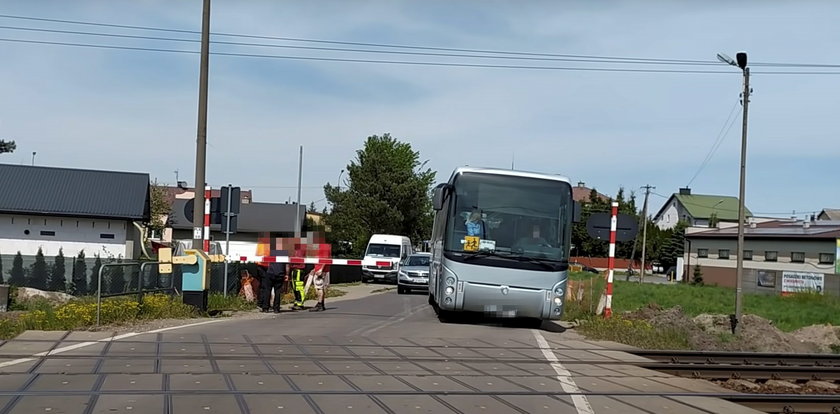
{"x":797,"y":257}
{"x":747,"y":254}
{"x":106,"y":236}
{"x":702,"y":253}
{"x":771,"y":256}
{"x":47,"y":233}
{"x":826,"y":258}
{"x":723,"y":254}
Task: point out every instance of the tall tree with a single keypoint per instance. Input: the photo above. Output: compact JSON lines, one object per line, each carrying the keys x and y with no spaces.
{"x":58,"y":281}
{"x":80,"y":282}
{"x":7,"y":146}
{"x":39,"y":275}
{"x":389,"y":192}
{"x":160,"y":207}
{"x":17,"y":276}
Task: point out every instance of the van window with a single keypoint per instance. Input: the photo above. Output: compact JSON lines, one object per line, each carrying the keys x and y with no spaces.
{"x":383,"y":250}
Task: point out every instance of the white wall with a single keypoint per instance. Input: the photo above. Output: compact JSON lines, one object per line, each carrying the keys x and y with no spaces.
{"x":669,"y":218}
{"x":71,"y":234}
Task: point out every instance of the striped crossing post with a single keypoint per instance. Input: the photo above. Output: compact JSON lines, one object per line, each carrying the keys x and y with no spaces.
{"x":611,"y":263}
{"x":207,"y":219}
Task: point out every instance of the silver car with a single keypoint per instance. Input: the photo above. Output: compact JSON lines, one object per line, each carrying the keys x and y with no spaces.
{"x":414,"y":273}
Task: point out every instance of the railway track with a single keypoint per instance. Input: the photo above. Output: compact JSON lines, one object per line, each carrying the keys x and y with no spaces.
{"x":788,"y":404}
{"x":741,"y":358}
{"x":760,"y":368}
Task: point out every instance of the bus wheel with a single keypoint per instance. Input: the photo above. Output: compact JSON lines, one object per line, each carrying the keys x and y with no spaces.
{"x":446,"y":316}
{"x":531,"y":323}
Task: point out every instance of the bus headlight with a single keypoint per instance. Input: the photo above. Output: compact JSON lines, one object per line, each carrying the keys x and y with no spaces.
{"x":558,"y":291}
{"x":449,"y":290}
{"x":556,"y":311}
{"x":558,"y":301}
{"x":450,"y":280}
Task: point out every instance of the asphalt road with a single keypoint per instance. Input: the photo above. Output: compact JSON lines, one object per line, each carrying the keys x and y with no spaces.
{"x":385,"y":353}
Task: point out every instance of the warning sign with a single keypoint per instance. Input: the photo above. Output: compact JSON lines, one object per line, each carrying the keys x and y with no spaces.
{"x":793,"y":282}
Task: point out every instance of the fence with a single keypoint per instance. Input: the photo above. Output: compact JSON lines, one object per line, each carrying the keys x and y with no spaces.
{"x":121,"y":279}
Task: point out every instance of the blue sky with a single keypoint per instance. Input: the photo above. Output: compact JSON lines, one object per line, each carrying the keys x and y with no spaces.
{"x":137,"y":111}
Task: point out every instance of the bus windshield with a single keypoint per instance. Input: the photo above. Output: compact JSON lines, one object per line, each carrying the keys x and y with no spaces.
{"x":509,"y":216}
{"x":383,"y":250}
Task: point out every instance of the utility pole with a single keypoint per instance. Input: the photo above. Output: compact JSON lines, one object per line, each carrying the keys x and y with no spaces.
{"x":739,"y":265}
{"x":644,"y":232}
{"x":297,"y":211}
{"x":33,"y":157}
{"x":201,"y":140}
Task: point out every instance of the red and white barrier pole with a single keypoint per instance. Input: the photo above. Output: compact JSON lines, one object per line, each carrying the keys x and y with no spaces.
{"x":611,"y":263}
{"x":207,"y":219}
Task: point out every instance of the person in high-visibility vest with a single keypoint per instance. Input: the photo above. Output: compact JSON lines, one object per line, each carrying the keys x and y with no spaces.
{"x":294,"y":274}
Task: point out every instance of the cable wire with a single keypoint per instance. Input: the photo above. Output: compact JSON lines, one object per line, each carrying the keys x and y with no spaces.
{"x":724,"y":131}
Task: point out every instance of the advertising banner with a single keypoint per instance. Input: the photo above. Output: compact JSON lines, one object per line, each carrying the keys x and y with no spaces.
{"x":802,"y":282}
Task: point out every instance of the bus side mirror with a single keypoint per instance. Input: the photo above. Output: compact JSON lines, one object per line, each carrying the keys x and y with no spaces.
{"x":576,"y":207}
{"x":438,"y":196}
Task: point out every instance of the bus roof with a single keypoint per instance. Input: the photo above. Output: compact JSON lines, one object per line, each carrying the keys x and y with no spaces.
{"x":512,"y":173}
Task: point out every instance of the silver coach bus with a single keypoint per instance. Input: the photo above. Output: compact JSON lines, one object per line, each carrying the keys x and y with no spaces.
{"x":500,"y":244}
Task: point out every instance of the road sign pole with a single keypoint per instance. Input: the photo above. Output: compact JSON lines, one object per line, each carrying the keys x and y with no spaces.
{"x":611,"y":262}
{"x":227,"y":235}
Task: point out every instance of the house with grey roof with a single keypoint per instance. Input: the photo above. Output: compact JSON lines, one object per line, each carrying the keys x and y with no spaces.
{"x":256,"y":223}
{"x":698,"y":210}
{"x":52,"y":208}
{"x":829,"y":214}
{"x":779,"y":255}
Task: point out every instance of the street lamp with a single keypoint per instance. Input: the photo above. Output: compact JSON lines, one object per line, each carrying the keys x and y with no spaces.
{"x":339,"y":179}
{"x":740,"y":62}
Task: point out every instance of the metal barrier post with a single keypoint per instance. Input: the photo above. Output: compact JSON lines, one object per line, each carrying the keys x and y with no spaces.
{"x":99,"y":293}
{"x":140,"y":282}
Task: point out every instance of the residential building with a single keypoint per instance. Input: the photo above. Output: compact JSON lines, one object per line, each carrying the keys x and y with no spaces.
{"x":257,"y":223}
{"x":697,"y":210}
{"x":582,"y":193}
{"x":184,"y":192}
{"x":773,"y":251}
{"x":51,"y":208}
{"x":829,"y":214}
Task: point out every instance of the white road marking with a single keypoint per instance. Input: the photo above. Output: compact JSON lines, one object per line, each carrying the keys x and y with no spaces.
{"x":89,"y":343}
{"x":564,"y":376}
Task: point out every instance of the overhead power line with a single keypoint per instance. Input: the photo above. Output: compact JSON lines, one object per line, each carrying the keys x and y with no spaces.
{"x":500,"y":53}
{"x":724,"y":131}
{"x":396,"y":62}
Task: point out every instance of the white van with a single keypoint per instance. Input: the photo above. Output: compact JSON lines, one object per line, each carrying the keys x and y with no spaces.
{"x":384,"y":248}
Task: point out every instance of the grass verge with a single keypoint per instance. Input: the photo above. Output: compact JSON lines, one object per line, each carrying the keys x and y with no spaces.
{"x":788,"y":313}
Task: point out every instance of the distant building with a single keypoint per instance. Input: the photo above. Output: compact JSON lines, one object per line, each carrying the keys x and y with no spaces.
{"x":697,"y":209}
{"x":73,"y":210}
{"x":829,"y":214}
{"x":257,"y":224}
{"x":771,"y":249}
{"x":581,"y":193}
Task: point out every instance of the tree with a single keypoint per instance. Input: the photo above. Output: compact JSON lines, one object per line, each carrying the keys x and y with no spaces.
{"x":58,"y":282}
{"x":17,"y":277}
{"x":713,"y":220}
{"x":94,"y":273}
{"x":674,"y":246}
{"x":79,"y":283}
{"x":312,"y":208}
{"x":389,"y":192}
{"x":698,"y":276}
{"x":7,"y":146}
{"x":39,"y":275}
{"x":160,"y":207}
